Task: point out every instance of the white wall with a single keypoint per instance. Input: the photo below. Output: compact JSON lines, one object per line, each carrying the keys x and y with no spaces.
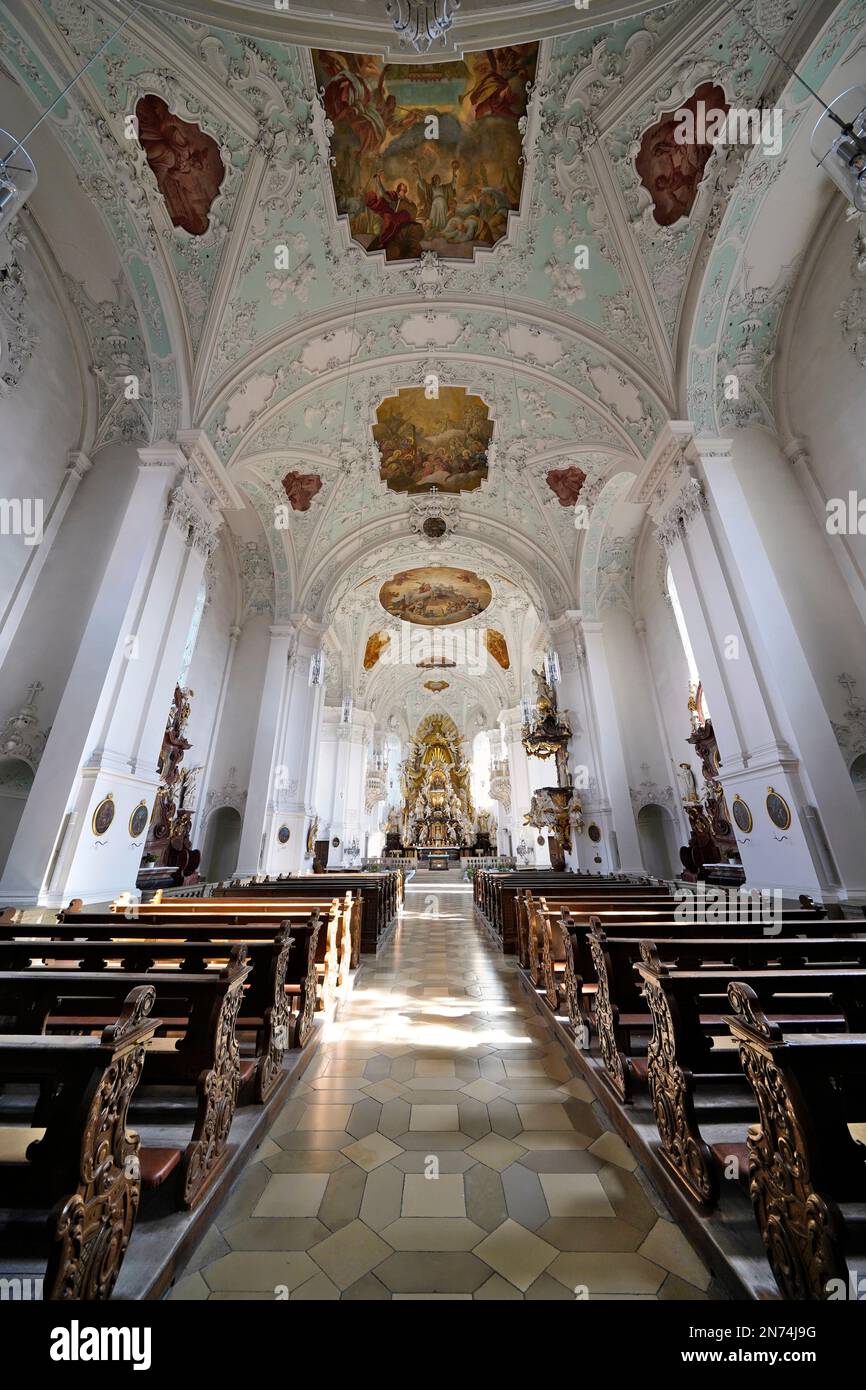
{"x":47,"y":640}
{"x":240,"y":715}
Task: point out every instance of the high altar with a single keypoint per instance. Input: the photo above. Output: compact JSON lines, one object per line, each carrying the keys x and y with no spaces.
{"x":437,"y":803}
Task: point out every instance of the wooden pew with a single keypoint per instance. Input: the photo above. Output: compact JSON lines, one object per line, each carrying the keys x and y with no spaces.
{"x":335,"y":943}
{"x":266,"y":1009}
{"x":546,"y":944}
{"x":681,"y":1056}
{"x":566,"y":965}
{"x":72,"y":1198}
{"x":378,"y":894}
{"x":207,"y":1058}
{"x":807,"y":1175}
{"x":311,"y":970}
{"x":621,"y":1012}
{"x":502,"y":913}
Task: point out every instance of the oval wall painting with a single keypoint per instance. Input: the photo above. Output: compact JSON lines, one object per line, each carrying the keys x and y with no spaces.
{"x":435,"y":596}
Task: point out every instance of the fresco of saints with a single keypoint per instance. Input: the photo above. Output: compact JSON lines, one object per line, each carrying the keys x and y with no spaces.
{"x":435,"y":196}
{"x":400,"y":232}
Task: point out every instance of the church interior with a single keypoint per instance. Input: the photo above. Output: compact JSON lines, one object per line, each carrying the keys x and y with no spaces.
{"x":432,"y":662}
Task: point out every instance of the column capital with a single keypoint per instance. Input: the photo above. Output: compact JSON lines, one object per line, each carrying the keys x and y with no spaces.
{"x":206,"y":470}
{"x":709,"y":447}
{"x":798,"y":453}
{"x":77,"y":464}
{"x":193,"y":515}
{"x":164,"y":454}
{"x":665,"y":464}
{"x":309,"y":632}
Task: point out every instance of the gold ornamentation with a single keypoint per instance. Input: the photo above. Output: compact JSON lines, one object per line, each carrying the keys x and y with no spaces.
{"x":802,"y":1231}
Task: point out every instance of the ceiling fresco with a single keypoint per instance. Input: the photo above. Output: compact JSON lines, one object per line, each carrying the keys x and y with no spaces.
{"x":258,"y":300}
{"x":436,"y":441}
{"x":433,"y":596}
{"x":426,"y":157}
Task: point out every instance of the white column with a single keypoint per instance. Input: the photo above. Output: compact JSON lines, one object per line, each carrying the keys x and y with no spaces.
{"x":526,"y":774}
{"x":285,"y":755}
{"x":272,"y":707}
{"x":611,"y":747}
{"x":109,"y":725}
{"x":204,"y":782}
{"x":575,"y":701}
{"x":10,"y":620}
{"x":352,"y":743}
{"x":770,"y":724}
{"x":799,"y":606}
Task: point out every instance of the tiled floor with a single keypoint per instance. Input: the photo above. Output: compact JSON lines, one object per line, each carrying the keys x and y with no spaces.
{"x":441,"y":1146}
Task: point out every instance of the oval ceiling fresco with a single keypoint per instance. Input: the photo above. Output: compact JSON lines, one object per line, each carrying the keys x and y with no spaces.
{"x":435,"y":596}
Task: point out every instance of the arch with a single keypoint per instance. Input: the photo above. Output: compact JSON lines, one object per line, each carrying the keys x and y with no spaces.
{"x":858,"y":777}
{"x":657,"y":836}
{"x":221,"y":844}
{"x":16,"y":779}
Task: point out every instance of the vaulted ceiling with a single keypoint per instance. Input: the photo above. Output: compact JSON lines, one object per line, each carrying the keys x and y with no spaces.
{"x":578,"y":367}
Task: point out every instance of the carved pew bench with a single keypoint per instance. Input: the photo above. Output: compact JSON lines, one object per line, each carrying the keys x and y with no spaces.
{"x":806,"y":1172}
{"x":204,"y":1060}
{"x":547,"y":942}
{"x":579,"y":974}
{"x":266,"y":1011}
{"x":622,"y":1020}
{"x":694,"y":1082}
{"x":71,"y":1179}
{"x":337,"y":945}
{"x":313,"y":983}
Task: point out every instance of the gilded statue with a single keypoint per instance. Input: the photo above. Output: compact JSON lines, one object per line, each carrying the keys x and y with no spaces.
{"x":545,"y":699}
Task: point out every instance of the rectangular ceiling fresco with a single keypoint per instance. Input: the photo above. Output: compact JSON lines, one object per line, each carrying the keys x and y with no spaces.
{"x":427,"y":156}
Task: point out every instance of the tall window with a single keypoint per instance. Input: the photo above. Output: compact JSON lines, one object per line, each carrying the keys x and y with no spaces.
{"x":192,"y":635}
{"x":694,"y":676}
{"x":480,"y":776}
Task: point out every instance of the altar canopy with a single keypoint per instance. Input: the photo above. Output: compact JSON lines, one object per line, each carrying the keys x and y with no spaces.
{"x":437,"y":803}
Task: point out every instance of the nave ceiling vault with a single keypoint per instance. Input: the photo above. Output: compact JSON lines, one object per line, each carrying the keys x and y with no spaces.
{"x":285,"y":370}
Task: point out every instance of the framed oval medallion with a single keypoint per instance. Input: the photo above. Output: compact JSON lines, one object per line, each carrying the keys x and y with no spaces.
{"x":594,"y":833}
{"x":138,"y":820}
{"x":742,"y":815}
{"x":778,"y":810}
{"x":283,"y":834}
{"x":335,"y":842}
{"x":103,"y":815}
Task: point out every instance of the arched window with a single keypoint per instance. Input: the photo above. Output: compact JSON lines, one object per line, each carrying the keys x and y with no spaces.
{"x":694,"y":675}
{"x":192,"y":635}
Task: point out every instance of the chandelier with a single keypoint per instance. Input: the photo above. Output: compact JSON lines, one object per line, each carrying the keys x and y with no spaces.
{"x":18,"y":176}
{"x":842,"y":155}
{"x":421,"y":22}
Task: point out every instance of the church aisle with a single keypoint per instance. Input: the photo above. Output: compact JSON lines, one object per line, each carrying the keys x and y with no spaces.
{"x":440,"y":1064}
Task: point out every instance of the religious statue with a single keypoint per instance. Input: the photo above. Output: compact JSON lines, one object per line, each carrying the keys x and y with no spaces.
{"x":545,"y":699}
{"x":688,"y":785}
{"x":169,"y":844}
{"x":312,"y":832}
{"x":174,"y":742}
